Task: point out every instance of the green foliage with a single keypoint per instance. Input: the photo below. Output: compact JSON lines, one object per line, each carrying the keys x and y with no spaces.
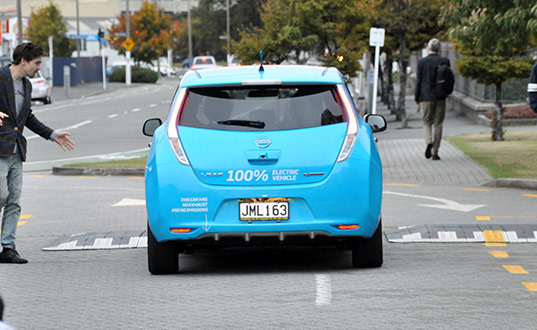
{"x":493,"y":69}
{"x":48,"y":21}
{"x":153,"y":37}
{"x":138,"y":75}
{"x":338,"y":28}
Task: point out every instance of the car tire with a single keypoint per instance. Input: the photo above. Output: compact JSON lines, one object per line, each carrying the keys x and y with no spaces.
{"x":47,"y":100}
{"x":162,"y":257}
{"x":367,"y":252}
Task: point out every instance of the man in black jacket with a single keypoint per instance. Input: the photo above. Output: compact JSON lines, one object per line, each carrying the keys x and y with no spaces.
{"x":532,"y":89}
{"x":432,"y":107}
{"x":15,"y":114}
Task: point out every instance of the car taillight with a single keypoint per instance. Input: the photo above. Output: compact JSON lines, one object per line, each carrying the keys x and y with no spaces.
{"x":352,"y":125}
{"x":40,"y":81}
{"x":173,"y":134}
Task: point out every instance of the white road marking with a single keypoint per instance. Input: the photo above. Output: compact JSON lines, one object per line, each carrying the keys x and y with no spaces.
{"x":130,"y":202}
{"x":136,"y":110}
{"x":75,"y":126}
{"x":113,"y":115}
{"x":153,"y":105}
{"x":113,"y":155}
{"x":446,"y":203}
{"x":324,"y":290}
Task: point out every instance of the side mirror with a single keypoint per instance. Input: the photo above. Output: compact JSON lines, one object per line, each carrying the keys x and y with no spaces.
{"x":151,"y":125}
{"x":377,"y":122}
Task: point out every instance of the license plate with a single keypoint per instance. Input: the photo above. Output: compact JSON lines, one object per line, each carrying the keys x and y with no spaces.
{"x":264,"y":209}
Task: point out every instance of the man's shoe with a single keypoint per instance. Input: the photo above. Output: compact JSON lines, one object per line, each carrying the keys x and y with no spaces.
{"x":11,"y":256}
{"x":436,"y":157}
{"x":428,"y":150}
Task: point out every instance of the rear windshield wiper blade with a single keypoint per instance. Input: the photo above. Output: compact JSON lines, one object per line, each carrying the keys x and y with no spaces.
{"x":247,"y":123}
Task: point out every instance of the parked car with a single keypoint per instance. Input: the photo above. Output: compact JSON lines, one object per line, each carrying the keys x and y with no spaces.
{"x":203,"y":62}
{"x":40,"y":88}
{"x":249,"y":157}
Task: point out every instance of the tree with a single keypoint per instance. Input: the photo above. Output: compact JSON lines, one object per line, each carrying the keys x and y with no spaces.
{"x":409,"y":25}
{"x":493,"y":37}
{"x":334,"y":31}
{"x":48,"y":21}
{"x":279,"y":34}
{"x":150,"y":30}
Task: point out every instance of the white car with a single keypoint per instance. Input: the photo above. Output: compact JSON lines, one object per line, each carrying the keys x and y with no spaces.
{"x":40,"y":88}
{"x":203,"y":62}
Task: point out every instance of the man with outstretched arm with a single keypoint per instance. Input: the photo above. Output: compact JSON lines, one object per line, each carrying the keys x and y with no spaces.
{"x":15,"y":114}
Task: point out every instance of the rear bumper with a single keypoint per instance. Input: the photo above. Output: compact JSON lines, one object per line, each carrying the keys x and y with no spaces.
{"x":351,"y":194}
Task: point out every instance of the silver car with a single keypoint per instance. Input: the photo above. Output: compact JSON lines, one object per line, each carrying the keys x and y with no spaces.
{"x":40,"y":88}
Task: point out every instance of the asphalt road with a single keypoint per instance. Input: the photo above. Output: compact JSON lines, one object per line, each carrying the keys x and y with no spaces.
{"x":420,"y":286}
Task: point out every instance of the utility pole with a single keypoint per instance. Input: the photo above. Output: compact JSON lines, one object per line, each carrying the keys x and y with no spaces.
{"x":19,"y":20}
{"x":77,"y":31}
{"x":189,"y":36}
{"x":128,"y":52}
{"x":227,"y":31}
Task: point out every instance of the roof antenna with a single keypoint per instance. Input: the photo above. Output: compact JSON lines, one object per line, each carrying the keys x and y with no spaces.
{"x":261,"y":58}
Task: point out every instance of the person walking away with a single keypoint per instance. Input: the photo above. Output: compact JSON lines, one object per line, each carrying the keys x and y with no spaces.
{"x":431,"y":95}
{"x":15,"y":114}
{"x":532,"y":88}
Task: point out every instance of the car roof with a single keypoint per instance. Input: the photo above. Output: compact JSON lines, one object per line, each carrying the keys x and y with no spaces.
{"x":251,"y":74}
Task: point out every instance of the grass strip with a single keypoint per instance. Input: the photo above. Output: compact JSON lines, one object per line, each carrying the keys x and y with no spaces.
{"x":138,"y":162}
{"x":515,"y":157}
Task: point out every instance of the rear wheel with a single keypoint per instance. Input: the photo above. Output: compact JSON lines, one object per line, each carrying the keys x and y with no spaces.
{"x":162,"y":257}
{"x":367,"y":252}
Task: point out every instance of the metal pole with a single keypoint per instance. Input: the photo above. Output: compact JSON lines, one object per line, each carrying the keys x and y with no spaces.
{"x":19,"y":20}
{"x":51,"y":59}
{"x":78,"y":41}
{"x":189,"y":36}
{"x":103,"y":66}
{"x":227,"y":31}
{"x":128,"y":52}
{"x":375,"y":82}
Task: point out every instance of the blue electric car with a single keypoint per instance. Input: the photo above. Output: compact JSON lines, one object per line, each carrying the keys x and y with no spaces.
{"x":263,"y":156}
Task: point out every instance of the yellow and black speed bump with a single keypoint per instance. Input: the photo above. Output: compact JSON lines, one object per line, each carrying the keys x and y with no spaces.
{"x":100,"y":241}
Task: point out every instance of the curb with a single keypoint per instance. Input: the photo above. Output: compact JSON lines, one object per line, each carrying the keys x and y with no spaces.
{"x":97,"y":171}
{"x":513,"y":183}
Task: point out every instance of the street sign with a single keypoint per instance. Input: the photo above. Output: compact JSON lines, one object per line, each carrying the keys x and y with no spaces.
{"x":376,"y":37}
{"x":128,"y":44}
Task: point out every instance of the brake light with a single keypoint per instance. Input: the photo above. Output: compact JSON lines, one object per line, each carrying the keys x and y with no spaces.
{"x":204,"y":59}
{"x":180,"y":230}
{"x":39,"y":81}
{"x":352,"y":125}
{"x":173,"y":134}
{"x":347,"y":227}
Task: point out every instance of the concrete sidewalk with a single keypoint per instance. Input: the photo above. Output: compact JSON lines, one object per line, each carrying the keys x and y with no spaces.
{"x":402,"y":152}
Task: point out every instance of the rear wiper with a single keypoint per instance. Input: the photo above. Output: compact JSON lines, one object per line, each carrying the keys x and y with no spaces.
{"x":247,"y":123}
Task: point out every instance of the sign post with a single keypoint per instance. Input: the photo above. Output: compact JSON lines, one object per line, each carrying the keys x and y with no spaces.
{"x":128,"y":44}
{"x":376,"y":38}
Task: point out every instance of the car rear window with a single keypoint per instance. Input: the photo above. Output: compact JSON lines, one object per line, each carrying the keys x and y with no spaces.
{"x":262,"y":108}
{"x":205,"y":60}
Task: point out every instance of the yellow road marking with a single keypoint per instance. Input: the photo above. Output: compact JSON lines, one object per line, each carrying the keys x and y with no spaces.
{"x":531,"y":286}
{"x":482,"y":217}
{"x":20,"y":223}
{"x":474,"y":189}
{"x":39,"y":176}
{"x":26,"y":216}
{"x":494,"y":238}
{"x":529,"y":195}
{"x":402,"y":184}
{"x":499,"y":254}
{"x":136,"y":177}
{"x":515,"y":269}
{"x":495,"y":244}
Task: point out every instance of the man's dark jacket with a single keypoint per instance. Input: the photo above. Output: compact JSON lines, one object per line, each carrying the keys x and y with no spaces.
{"x":426,"y":78}
{"x":12,"y":127}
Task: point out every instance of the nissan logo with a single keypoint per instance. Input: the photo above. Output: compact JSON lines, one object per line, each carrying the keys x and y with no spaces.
{"x":262,"y":142}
